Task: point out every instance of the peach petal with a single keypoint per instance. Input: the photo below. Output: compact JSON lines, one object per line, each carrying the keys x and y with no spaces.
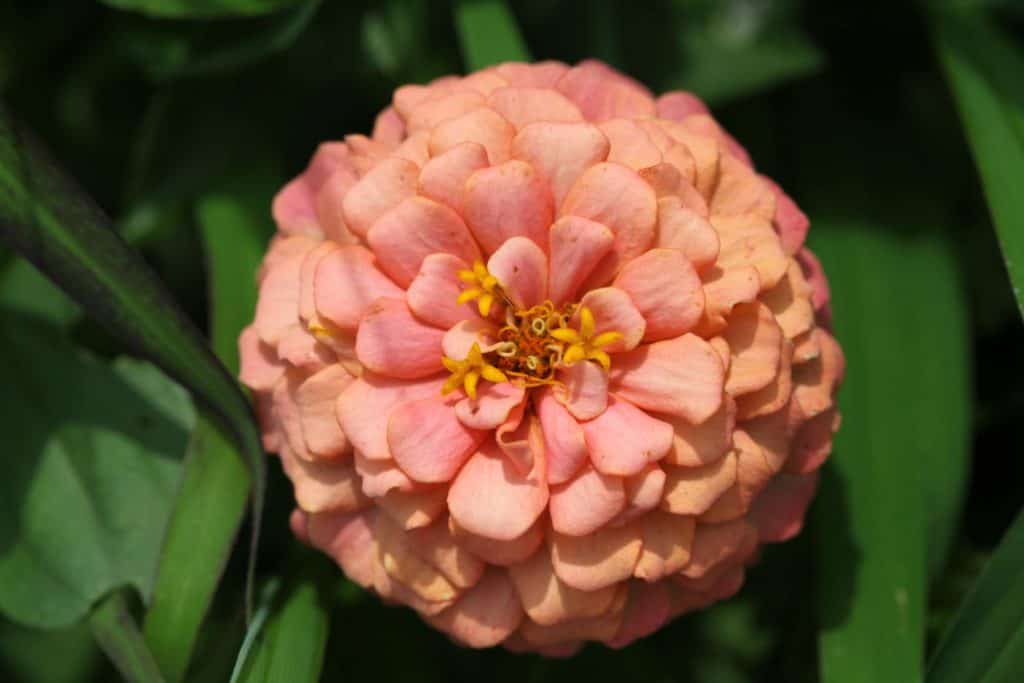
{"x":522,"y":269}
{"x":413,"y":509}
{"x":523,"y":106}
{"x":750,"y":240}
{"x":482,"y":126}
{"x":647,"y":610}
{"x":286,"y":414}
{"x":505,"y":201}
{"x":329,"y":204}
{"x":644,"y":491}
{"x":277,"y":309}
{"x":705,"y":151}
{"x":812,"y":443}
{"x":428,"y":441}
{"x":779,"y":511}
{"x":388,"y":127}
{"x":485,"y":615}
{"x":444,"y":177}
{"x":537,"y":75}
{"x":681,"y":376}
{"x":602,"y":93}
{"x":586,"y":503}
{"x":679,"y":104}
{"x":297,"y":521}
{"x":585,"y":389}
{"x":432,"y":110}
{"x":315,"y":398}
{"x":663,"y":178}
{"x":380,"y":190}
{"x":307,"y":280}
{"x":666,"y":291}
{"x":770,"y":434}
{"x":789,"y":301}
{"x":365,"y":153}
{"x":597,"y":560}
{"x":300,"y":349}
{"x":565,"y":638}
{"x":815,"y":382}
{"x":695,"y":445}
{"x":514,"y":501}
{"x":714,"y":544}
{"x":577,"y":246}
{"x":755,"y":341}
{"x":364,"y":407}
{"x":415,"y":229}
{"x":498,"y":552}
{"x":548,"y":601}
{"x":294,"y":207}
{"x":346,"y":282}
{"x":692,"y":490}
{"x":630,"y":145}
{"x":752,"y":475}
{"x":381,"y":476}
{"x":436,"y":544}
{"x":492,"y":407}
{"x":433,"y":293}
{"x":617,"y":197}
{"x":815,"y":276}
{"x":460,"y":339}
{"x":484,"y":82}
{"x":624,"y":439}
{"x":260,"y":368}
{"x":741,"y":191}
{"x":348,"y":538}
{"x":667,"y":539}
{"x":723,"y":290}
{"x":560,"y":152}
{"x":682,"y":228}
{"x":563,"y":439}
{"x":705,"y":125}
{"x":404,"y":566}
{"x":392,"y":342}
{"x":324,"y":486}
{"x":790,"y":222}
{"x":772,"y":397}
{"x":613,"y":310}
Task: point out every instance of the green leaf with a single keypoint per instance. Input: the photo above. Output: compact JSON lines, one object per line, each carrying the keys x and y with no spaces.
{"x":290,"y":647}
{"x":985,"y":643}
{"x":983,"y":65}
{"x":119,"y":636}
{"x":51,"y":222}
{"x":93,"y":461}
{"x":27,"y":654}
{"x":211,"y":502}
{"x":488,"y":34}
{"x":200,"y":9}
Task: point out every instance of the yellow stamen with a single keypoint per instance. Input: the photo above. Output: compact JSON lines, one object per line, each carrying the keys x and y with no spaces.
{"x":483,"y":288}
{"x":468,"y":372}
{"x":584,"y":344}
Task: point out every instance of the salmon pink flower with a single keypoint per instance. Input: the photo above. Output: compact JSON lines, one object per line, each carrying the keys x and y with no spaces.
{"x":544,"y":356}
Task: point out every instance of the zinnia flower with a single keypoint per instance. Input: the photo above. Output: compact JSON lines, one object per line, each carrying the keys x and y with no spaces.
{"x":542,"y":356}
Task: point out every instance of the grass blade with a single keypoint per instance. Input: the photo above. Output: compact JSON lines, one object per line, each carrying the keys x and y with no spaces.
{"x":116,"y":632}
{"x":488,"y":34}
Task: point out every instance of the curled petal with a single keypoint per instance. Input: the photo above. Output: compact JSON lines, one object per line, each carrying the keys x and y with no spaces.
{"x":522,"y":269}
{"x":444,"y":177}
{"x":383,"y":188}
{"x":624,"y":439}
{"x":666,"y":291}
{"x":505,"y":201}
{"x":560,"y":152}
{"x":584,"y":390}
{"x":577,"y":246}
{"x":587,"y":502}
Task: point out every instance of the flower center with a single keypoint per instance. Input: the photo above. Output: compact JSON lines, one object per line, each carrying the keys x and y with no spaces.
{"x":533,"y":344}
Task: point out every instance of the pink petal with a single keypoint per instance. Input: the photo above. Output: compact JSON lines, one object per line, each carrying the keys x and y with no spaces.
{"x":666,"y":291}
{"x":413,"y":509}
{"x":482,"y":126}
{"x":294,"y":209}
{"x":316,"y":398}
{"x":724,"y":289}
{"x":666,"y":544}
{"x":392,"y":342}
{"x":379,"y":191}
{"x":563,"y":438}
{"x":815,"y":382}
{"x":347,"y":281}
{"x":537,"y":75}
{"x":585,"y":390}
{"x":428,"y":442}
{"x":755,"y":342}
{"x":790,"y":222}
{"x":624,"y":439}
{"x":602,"y":94}
{"x":260,"y":367}
{"x":437,"y":545}
{"x":485,"y":615}
{"x":348,"y":538}
{"x":460,"y":338}
{"x":434,"y":291}
{"x":522,"y":106}
{"x":560,"y":152}
{"x":330,"y":205}
{"x":577,"y":246}
{"x":789,"y":301}
{"x":432,"y":110}
{"x":405,"y":567}
{"x":490,"y":498}
{"x":278,"y":306}
{"x":772,"y":397}
{"x":388,"y":127}
{"x":812,"y":443}
{"x":548,"y":601}
{"x":679,"y":104}
{"x":324,"y":486}
{"x":307,"y":280}
{"x":379,"y":477}
{"x":741,"y":191}
{"x":597,"y":560}
{"x":644,"y":491}
{"x":587,"y":502}
{"x":682,"y":228}
{"x":497,"y":552}
{"x":702,"y":444}
{"x":664,"y":179}
{"x":706,"y":153}
{"x":364,"y":407}
{"x":444,"y":177}
{"x":508,"y":200}
{"x":630,"y":145}
{"x":620,"y":199}
{"x":750,"y":240}
{"x":681,"y":376}
{"x":692,"y":490}
{"x":647,"y":610}
{"x":415,"y":229}
{"x":613,"y":311}
{"x":522,"y":269}
{"x":752,"y":474}
{"x":522,"y":441}
{"x":716,"y":544}
{"x":779,"y":511}
{"x":492,"y":406}
{"x":300,"y":349}
{"x":815,"y":276}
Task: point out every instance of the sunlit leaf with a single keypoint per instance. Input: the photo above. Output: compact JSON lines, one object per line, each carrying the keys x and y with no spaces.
{"x":488,"y":33}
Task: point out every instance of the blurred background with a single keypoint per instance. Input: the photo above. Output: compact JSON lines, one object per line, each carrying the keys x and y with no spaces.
{"x":182,"y":118}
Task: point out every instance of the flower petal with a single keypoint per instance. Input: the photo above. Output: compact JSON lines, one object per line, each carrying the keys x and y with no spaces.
{"x":741,"y":191}
{"x":323,"y":486}
{"x":692,"y":490}
{"x":377,"y":192}
{"x":577,"y":246}
{"x":548,"y":601}
{"x":460,"y":338}
{"x":666,"y":544}
{"x":434,"y":109}
{"x":348,"y":538}
{"x":716,"y":544}
{"x":702,"y":444}
{"x":392,"y":342}
{"x":613,"y":311}
{"x":681,"y":376}
{"x":315,"y":398}
{"x":755,"y":342}
{"x":630,"y":145}
{"x":485,"y":615}
{"x":563,"y":439}
{"x":624,"y":439}
{"x":482,"y":126}
{"x":433,"y":293}
{"x":428,"y":441}
{"x":585,"y":390}
{"x":682,"y":228}
{"x":403,"y":565}
{"x":587,"y":502}
{"x":522,"y":269}
{"x":679,"y":104}
{"x":498,"y":552}
{"x":508,"y":200}
{"x":413,"y":509}
{"x":489,"y":497}
{"x":602,"y":93}
{"x":748,"y":240}
{"x":260,"y":367}
{"x":493,"y":404}
{"x":778,"y":513}
{"x":560,"y":152}
{"x":277,"y":309}
{"x":666,"y":291}
{"x":523,"y":106}
{"x":647,"y":610}
{"x":436,"y":544}
{"x":790,"y":303}
{"x":599,"y":559}
{"x":347,"y":281}
{"x":444,"y":177}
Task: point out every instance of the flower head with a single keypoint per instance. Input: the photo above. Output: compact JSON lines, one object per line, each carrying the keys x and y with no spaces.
{"x":543,"y":356}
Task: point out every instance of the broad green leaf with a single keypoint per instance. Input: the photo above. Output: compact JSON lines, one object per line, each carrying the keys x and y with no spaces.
{"x":51,"y":222}
{"x":289,"y":648}
{"x":93,"y":462}
{"x":25,"y":290}
{"x":984,"y":65}
{"x":200,"y":9}
{"x":488,"y":33}
{"x":118,"y":635}
{"x":211,"y":502}
{"x":985,"y":643}
{"x":27,"y":653}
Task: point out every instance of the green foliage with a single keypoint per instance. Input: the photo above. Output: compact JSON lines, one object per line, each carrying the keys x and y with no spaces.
{"x":488,"y":34}
{"x":201,"y":8}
